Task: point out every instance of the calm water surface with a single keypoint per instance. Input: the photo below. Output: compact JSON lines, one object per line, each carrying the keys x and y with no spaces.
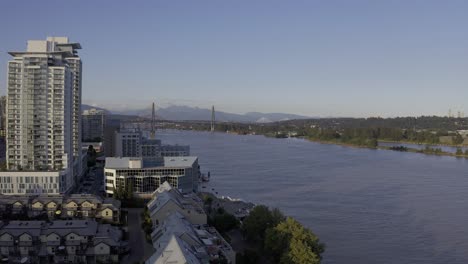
{"x":368,"y":206}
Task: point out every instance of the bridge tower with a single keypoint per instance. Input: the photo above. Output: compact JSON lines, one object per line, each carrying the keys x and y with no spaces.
{"x":153,"y":130}
{"x":212,"y":119}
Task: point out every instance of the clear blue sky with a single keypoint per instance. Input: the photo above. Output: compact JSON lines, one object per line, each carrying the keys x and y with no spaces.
{"x":318,"y":58}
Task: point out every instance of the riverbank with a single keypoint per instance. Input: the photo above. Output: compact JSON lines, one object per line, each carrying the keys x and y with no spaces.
{"x":331,"y":142}
{"x":431,"y":151}
{"x":422,"y":144}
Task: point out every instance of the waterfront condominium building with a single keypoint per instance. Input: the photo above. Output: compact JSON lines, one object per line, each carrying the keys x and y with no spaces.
{"x":93,"y":122}
{"x":121,"y":173}
{"x":43,"y":128}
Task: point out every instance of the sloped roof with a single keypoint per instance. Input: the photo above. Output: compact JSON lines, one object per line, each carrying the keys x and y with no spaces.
{"x":45,"y":199}
{"x":17,"y":228}
{"x":175,"y":252}
{"x":162,"y":195}
{"x":161,"y":200}
{"x":80,"y":198}
{"x":64,"y":227}
{"x":174,"y":225}
{"x":111,"y":201}
{"x":184,"y":161}
{"x":108,"y":234}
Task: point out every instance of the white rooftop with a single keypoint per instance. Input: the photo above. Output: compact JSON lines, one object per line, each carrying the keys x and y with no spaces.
{"x":137,"y":163}
{"x":186,"y":161}
{"x":176,"y":252}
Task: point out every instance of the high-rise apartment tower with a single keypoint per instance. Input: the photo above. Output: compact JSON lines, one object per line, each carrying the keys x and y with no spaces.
{"x":43,"y":135}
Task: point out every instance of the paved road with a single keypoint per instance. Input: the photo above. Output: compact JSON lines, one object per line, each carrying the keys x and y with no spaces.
{"x":98,"y":181}
{"x":140,"y":249}
{"x":95,"y":178}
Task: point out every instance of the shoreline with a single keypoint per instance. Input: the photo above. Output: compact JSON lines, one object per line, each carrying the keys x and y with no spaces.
{"x":237,"y":207}
{"x":410,"y":150}
{"x":426,"y":144}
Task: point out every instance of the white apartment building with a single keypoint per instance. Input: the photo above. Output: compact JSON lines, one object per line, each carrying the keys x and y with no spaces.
{"x":181,"y":172}
{"x":43,"y":128}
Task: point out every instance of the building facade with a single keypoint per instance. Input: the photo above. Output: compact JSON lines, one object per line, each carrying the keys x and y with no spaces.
{"x":181,"y":172}
{"x":2,"y":116}
{"x":110,"y":129}
{"x":133,"y":144}
{"x":127,"y":144}
{"x":54,"y":207}
{"x":61,"y":241}
{"x":43,"y":141}
{"x":93,"y":122}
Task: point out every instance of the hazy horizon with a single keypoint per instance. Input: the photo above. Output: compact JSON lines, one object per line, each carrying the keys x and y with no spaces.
{"x":124,"y":109}
{"x":312,"y":58}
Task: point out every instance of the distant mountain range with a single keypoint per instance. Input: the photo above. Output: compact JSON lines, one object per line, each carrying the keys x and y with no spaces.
{"x":179,"y":113}
{"x":87,"y":107}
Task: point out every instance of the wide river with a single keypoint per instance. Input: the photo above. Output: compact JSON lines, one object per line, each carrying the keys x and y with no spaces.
{"x":368,"y":206}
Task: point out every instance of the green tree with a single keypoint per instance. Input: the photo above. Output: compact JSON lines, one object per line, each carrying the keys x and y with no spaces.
{"x":209,"y":204}
{"x":116,"y":192}
{"x":300,"y":253}
{"x":129,"y":190}
{"x":373,"y":143}
{"x":91,"y":156}
{"x":147,"y":224}
{"x":276,"y":243}
{"x":290,"y":242}
{"x":459,"y":152}
{"x":277,"y":216}
{"x":258,"y":221}
{"x":248,"y":257}
{"x":120,"y":192}
{"x":457,"y":139}
{"x":225,"y":222}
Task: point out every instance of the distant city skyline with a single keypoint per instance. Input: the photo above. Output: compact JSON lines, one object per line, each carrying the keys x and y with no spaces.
{"x":314,"y":58}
